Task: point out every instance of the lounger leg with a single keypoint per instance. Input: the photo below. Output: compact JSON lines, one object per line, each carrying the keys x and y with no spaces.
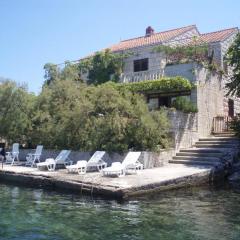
{"x":13,"y":158}
{"x":82,"y":170}
{"x":51,"y":167}
{"x":122,"y":174}
{"x":100,"y":167}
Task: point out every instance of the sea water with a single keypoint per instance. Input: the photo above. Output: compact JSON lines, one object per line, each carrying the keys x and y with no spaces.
{"x":199,"y":213}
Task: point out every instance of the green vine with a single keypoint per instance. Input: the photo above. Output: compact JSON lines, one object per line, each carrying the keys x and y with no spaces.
{"x":184,"y":104}
{"x":165,"y":84}
{"x":190,"y":53}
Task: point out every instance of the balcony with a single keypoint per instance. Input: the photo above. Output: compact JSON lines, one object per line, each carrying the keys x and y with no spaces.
{"x":141,"y":76}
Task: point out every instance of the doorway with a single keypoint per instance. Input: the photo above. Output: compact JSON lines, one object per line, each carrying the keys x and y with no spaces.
{"x":230,"y":108}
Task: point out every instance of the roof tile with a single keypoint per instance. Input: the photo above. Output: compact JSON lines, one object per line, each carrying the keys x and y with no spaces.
{"x":165,"y":36}
{"x":218,"y":35}
{"x":149,"y":40}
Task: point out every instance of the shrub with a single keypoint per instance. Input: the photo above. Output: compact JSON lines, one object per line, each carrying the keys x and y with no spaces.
{"x":16,"y":111}
{"x":184,"y":104}
{"x":235,"y":125}
{"x":165,"y":84}
{"x":89,"y":118}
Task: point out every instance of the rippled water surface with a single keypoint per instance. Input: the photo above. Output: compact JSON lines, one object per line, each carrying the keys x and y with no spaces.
{"x":184,"y":214}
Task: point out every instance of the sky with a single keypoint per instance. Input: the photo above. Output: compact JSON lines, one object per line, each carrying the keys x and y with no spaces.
{"x":35,"y":32}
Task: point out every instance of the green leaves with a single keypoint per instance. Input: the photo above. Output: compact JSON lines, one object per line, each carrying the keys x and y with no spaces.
{"x":99,"y":68}
{"x":85,"y":117}
{"x":105,"y":66}
{"x":233,"y":59}
{"x":185,"y":105}
{"x":16,"y":111}
{"x":235,"y":126}
{"x":165,"y":84}
{"x":194,"y":51}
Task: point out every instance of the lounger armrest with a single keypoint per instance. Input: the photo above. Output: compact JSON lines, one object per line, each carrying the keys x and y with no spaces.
{"x":68,"y":163}
{"x":101,"y":161}
{"x":32,"y":155}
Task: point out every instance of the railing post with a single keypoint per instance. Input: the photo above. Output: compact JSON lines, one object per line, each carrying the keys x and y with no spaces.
{"x":221,"y":124}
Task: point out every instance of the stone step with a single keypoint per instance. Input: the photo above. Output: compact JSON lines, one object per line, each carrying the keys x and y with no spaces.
{"x":224,"y":134}
{"x":194,"y":158}
{"x":222,"y":139}
{"x":214,"y":145}
{"x":200,"y":154}
{"x":218,"y":142}
{"x":227,"y":132}
{"x":204,"y":163}
{"x":200,"y":150}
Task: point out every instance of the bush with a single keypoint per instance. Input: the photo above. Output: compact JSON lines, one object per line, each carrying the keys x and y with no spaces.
{"x":165,"y":84}
{"x":16,"y":111}
{"x":235,"y":125}
{"x":184,"y":104}
{"x":88,"y":118}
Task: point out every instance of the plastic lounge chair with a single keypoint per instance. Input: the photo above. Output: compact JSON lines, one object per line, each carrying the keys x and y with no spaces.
{"x":32,"y":158}
{"x":80,"y":167}
{"x":50,"y":163}
{"x":130,"y":164}
{"x":12,"y":156}
{"x":95,"y":161}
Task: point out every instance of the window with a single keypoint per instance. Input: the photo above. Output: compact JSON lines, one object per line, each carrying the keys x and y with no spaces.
{"x":164,"y":101}
{"x":153,"y":103}
{"x":140,"y":65}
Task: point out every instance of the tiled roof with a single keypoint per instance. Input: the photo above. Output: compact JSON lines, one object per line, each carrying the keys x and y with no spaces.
{"x":218,"y":35}
{"x":150,"y":40}
{"x":169,"y":35}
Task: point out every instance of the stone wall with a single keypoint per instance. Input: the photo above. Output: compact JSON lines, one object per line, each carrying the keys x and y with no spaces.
{"x":226,"y":44}
{"x":210,"y":99}
{"x":217,"y":53}
{"x":183,"y":129}
{"x":148,"y":159}
{"x":185,"y":70}
{"x":209,"y":95}
{"x":154,"y":59}
{"x":183,"y":38}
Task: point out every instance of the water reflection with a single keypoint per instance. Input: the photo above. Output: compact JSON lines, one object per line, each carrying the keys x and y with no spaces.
{"x":183,"y":214}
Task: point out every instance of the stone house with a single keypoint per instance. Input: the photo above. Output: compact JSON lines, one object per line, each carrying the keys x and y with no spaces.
{"x":144,"y":63}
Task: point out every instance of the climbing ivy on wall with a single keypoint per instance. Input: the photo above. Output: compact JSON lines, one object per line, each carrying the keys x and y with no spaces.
{"x":193,"y":52}
{"x":198,"y":53}
{"x":165,"y":84}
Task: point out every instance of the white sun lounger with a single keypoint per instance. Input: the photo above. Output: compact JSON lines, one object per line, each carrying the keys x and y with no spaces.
{"x":130,"y":164}
{"x":33,"y":158}
{"x":80,"y":167}
{"x":12,"y":156}
{"x":50,"y":163}
{"x":95,"y":161}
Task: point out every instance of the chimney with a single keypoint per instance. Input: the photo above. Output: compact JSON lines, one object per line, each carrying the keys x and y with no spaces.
{"x":149,"y":31}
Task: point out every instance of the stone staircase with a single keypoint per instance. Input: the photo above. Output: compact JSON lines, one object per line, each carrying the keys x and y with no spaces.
{"x":208,"y":151}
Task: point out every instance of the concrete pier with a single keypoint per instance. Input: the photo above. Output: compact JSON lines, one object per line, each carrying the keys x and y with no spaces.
{"x":146,"y":181}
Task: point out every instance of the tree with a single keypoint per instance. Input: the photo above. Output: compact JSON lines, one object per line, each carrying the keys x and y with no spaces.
{"x":52,"y":73}
{"x":86,"y":117}
{"x":100,"y":68}
{"x":16,"y":109}
{"x":103,"y":66}
{"x":233,"y":60}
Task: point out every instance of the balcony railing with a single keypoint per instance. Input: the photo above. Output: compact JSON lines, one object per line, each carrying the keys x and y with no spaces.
{"x":141,"y":76}
{"x":221,"y":124}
